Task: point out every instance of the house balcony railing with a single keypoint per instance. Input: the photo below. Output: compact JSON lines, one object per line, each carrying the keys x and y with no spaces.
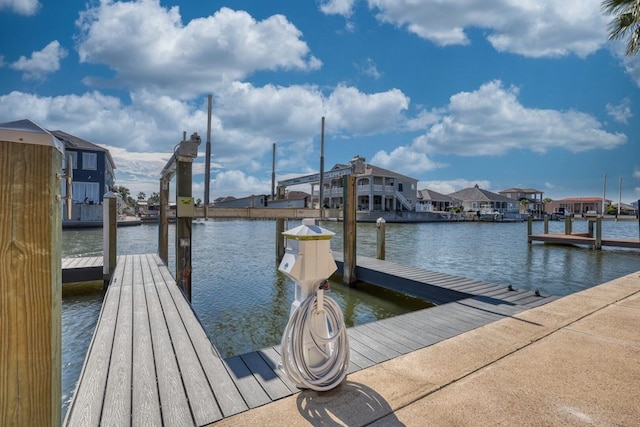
{"x":360,"y":189}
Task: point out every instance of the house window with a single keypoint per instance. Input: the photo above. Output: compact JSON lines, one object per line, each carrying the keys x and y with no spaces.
{"x":74,"y":158}
{"x":400,"y":186}
{"x":86,"y":192}
{"x":89,"y":161}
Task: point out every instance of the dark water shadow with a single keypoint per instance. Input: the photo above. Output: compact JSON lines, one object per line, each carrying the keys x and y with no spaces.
{"x":351,"y":404}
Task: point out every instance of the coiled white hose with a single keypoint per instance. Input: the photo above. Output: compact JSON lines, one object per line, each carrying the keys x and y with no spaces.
{"x":329,"y":374}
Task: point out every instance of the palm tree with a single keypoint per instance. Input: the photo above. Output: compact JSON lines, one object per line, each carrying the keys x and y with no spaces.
{"x":626,"y":22}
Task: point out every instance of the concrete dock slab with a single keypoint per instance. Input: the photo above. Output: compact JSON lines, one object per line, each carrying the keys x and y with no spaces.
{"x":573,"y":361}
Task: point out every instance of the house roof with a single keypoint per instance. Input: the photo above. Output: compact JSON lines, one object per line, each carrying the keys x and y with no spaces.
{"x":27,"y":132}
{"x":521,"y":190}
{"x":73,"y":142}
{"x":376,"y":170}
{"x":296,"y":195}
{"x":477,"y":194}
{"x":427,"y":194}
{"x":582,"y":200}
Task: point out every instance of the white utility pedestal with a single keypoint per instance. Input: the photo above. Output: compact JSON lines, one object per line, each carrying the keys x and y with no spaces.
{"x":315,"y":341}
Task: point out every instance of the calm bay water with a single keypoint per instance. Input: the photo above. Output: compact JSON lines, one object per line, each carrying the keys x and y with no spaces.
{"x":243,"y":302}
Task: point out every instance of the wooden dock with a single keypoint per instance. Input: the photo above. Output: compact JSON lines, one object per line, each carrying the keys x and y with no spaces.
{"x":81,"y":269}
{"x":150,"y":361}
{"x":583,"y":239}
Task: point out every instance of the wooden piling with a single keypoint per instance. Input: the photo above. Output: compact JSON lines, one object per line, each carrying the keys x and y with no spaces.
{"x":567,"y":225}
{"x":109,"y":236}
{"x":349,"y":229}
{"x":30,"y":278}
{"x":598,"y":243}
{"x":380,"y":239}
{"x":163,"y":222}
{"x":184,"y":213}
{"x":279,"y":229}
{"x":546,"y":225}
{"x":529,"y":228}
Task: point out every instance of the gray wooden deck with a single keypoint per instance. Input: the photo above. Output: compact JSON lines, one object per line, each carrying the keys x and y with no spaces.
{"x":439,"y":288}
{"x":150,"y":362}
{"x":81,"y":269}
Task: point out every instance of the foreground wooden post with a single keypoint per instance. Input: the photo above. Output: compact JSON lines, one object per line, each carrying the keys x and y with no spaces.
{"x":590,"y":228}
{"x":163,"y":222}
{"x":598,"y":233}
{"x":109,"y":236}
{"x":279,"y":229}
{"x":380,"y":239}
{"x":546,"y":224}
{"x":30,"y":277}
{"x":184,"y":214}
{"x":529,"y":228}
{"x":567,"y":225}
{"x":349,"y":230}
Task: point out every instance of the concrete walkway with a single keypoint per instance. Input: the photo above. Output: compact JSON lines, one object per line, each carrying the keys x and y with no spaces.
{"x":573,"y":361}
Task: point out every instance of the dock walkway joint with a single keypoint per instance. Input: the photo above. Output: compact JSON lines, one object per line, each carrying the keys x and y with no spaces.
{"x":150,"y":361}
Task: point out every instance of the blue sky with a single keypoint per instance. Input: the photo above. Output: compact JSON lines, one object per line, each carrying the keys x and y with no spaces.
{"x":500,"y":93}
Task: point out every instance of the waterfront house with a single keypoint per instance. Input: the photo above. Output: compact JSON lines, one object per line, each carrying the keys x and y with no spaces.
{"x":93,"y":176}
{"x":577,"y":206}
{"x":530,"y":199}
{"x":377,"y":189}
{"x":253,"y":201}
{"x":475,"y":199}
{"x":432,"y":201}
{"x":293,"y":199}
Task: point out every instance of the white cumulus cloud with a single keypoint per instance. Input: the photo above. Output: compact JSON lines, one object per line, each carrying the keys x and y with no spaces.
{"x":148,"y":46}
{"x":541,"y":28}
{"x":21,"y":7}
{"x":41,"y":62}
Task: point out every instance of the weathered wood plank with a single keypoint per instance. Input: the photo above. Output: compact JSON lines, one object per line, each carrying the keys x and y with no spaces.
{"x":249,"y":387}
{"x":117,"y":400}
{"x":199,"y":395}
{"x":173,"y":397}
{"x":145,"y":396}
{"x":265,"y":375}
{"x":273,"y":359}
{"x":86,"y":407}
{"x":392,"y":337}
{"x":225,"y":391}
{"x":383,"y":352}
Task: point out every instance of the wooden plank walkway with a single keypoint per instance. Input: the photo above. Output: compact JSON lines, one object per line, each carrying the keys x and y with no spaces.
{"x":583,"y":239}
{"x":81,"y":269}
{"x":150,"y":361}
{"x":439,"y":288}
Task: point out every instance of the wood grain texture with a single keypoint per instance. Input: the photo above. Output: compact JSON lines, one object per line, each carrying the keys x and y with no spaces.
{"x":30,"y":285}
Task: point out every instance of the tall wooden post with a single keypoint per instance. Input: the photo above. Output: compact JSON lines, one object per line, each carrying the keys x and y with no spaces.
{"x":163,"y":222}
{"x":381,"y":243}
{"x":546,"y":224}
{"x":349,"y":229}
{"x":567,"y":225}
{"x":529,"y":228}
{"x":109,"y":236}
{"x":598,"y":233}
{"x":590,"y":228}
{"x":184,"y":213}
{"x":30,"y":277}
{"x":279,"y":229}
